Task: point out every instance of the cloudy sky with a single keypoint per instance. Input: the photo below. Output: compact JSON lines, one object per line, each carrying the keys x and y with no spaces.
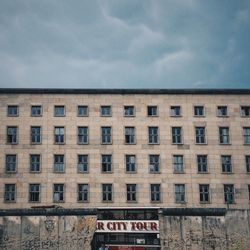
{"x":125,"y":43}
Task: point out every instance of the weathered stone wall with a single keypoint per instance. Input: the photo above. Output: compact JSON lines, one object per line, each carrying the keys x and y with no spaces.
{"x":46,"y":232}
{"x":231,"y":231}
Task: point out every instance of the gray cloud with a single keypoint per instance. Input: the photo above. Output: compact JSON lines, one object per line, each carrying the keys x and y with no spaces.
{"x":124,"y":44}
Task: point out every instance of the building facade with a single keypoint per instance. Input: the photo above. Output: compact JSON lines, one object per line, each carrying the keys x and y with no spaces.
{"x":127,"y":153}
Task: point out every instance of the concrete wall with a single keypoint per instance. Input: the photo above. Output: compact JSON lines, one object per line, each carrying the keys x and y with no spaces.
{"x":231,"y":231}
{"x":46,"y":232}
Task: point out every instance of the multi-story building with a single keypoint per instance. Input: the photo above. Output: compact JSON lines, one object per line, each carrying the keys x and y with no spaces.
{"x":126,"y":153}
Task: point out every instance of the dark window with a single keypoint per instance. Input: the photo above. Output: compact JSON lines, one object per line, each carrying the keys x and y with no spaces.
{"x":82,"y":164}
{"x":106,"y":111}
{"x":82,"y":110}
{"x":58,"y":163}
{"x":35,"y":163}
{"x":106,"y":163}
{"x":224,"y":135}
{"x":58,"y":193}
{"x":107,"y":192}
{"x":130,"y":161}
{"x":59,"y":110}
{"x":249,"y":192}
{"x":247,"y":159}
{"x":229,"y":193}
{"x":152,"y":111}
{"x":154,"y":163}
{"x":226,"y":164}
{"x":83,"y":192}
{"x":176,"y":135}
{"x":131,"y":192}
{"x":155,"y":191}
{"x":129,"y":111}
{"x":202,"y":163}
{"x":222,"y":110}
{"x":36,"y":110}
{"x":11,"y":163}
{"x":204,"y":193}
{"x":245,"y":111}
{"x":175,"y":110}
{"x":12,"y":110}
{"x":34,"y":193}
{"x":129,"y":135}
{"x":10,"y":193}
{"x":106,"y":135}
{"x":35,"y":135}
{"x":198,"y":110}
{"x":82,"y":135}
{"x":179,"y":193}
{"x":200,"y":135}
{"x":12,"y":135}
{"x":59,"y":135}
{"x":178,"y":164}
{"x":246,"y":135}
{"x":153,"y":135}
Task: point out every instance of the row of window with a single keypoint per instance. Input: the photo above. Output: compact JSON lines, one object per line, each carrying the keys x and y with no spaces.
{"x":129,"y":135}
{"x":131,"y":193}
{"x":152,"y":110}
{"x":130,"y":163}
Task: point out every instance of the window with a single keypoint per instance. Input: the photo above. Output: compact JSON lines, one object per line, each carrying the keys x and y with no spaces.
{"x":247,"y":160}
{"x":155,"y":190}
{"x":153,"y":135}
{"x":204,"y":193}
{"x":198,"y":110}
{"x":249,"y":192}
{"x":222,"y":110}
{"x":106,"y":135}
{"x":36,"y":110}
{"x":226,"y":164}
{"x":200,"y":135}
{"x":152,"y":111}
{"x":179,"y":193}
{"x":246,"y":135}
{"x":34,"y":193}
{"x":245,"y":111}
{"x":129,"y":135}
{"x":10,"y":193}
{"x":229,"y":193}
{"x":129,"y":111}
{"x":178,"y":164}
{"x":106,"y":111}
{"x":58,"y":163}
{"x":59,"y":135}
{"x":224,"y":135}
{"x":11,"y":163}
{"x":82,"y":110}
{"x":176,"y":135}
{"x":175,"y":110}
{"x":58,"y":193}
{"x":83,"y":192}
{"x":154,"y":163}
{"x":107,"y":192}
{"x":131,"y":192}
{"x":106,"y":163}
{"x":35,"y":135}
{"x":82,"y":135}
{"x":12,"y":135}
{"x":35,"y":163}
{"x":130,"y":162}
{"x":202,"y":163}
{"x":82,"y":164}
{"x":12,"y":110}
{"x":59,"y":110}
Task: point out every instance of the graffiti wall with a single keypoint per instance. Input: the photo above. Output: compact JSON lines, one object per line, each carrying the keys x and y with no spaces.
{"x":47,"y":232}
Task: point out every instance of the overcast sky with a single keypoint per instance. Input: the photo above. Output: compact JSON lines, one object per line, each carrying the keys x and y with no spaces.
{"x":125,"y":43}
